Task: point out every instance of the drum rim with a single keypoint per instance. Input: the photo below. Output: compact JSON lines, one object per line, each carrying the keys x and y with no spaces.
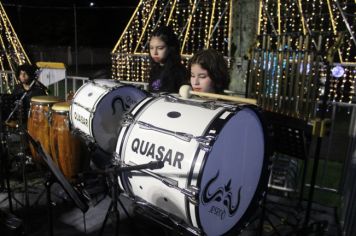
{"x":92,"y":110}
{"x":261,"y":186}
{"x":128,"y":129}
{"x":94,"y":117}
{"x":202,"y":165}
{"x":45,"y":99}
{"x":61,"y":107}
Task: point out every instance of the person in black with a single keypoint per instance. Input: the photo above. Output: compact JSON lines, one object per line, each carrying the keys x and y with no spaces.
{"x":25,"y":74}
{"x":167,"y":72}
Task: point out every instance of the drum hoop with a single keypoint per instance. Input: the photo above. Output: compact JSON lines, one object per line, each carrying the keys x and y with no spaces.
{"x":47,"y":104}
{"x":101,"y":99}
{"x":218,"y":126}
{"x":92,"y":109}
{"x":128,"y":129}
{"x":262,"y":183}
{"x":79,"y":89}
{"x":104,"y":86}
{"x":59,"y":111}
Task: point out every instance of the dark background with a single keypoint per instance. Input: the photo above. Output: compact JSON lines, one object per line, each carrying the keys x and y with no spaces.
{"x":51,"y":22}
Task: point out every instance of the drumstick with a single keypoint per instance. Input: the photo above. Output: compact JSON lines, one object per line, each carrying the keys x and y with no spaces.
{"x":185,"y":91}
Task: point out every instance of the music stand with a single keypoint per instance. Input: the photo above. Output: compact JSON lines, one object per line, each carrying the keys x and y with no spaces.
{"x":55,"y":176}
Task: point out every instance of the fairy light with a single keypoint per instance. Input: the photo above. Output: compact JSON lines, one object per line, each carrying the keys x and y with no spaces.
{"x":191,"y":20}
{"x":13,"y":52}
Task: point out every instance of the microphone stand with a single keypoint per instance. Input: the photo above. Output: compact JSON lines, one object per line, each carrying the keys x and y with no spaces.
{"x":112,"y":174}
{"x":43,"y":87}
{"x":38,"y":72}
{"x":19,"y":102}
{"x":18,"y":107}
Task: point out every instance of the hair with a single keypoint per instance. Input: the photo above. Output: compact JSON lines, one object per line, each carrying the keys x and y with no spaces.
{"x":216,"y":66}
{"x":167,"y":35}
{"x":172,"y":66}
{"x":29,"y":69}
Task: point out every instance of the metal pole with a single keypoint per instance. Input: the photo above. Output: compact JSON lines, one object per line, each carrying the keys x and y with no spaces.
{"x":75,"y":38}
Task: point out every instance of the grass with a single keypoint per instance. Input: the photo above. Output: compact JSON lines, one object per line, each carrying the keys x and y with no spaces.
{"x":328,"y":177}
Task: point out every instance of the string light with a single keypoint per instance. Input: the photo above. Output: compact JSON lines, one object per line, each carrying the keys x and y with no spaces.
{"x":297,"y":18}
{"x":12,"y":50}
{"x":190,"y":20}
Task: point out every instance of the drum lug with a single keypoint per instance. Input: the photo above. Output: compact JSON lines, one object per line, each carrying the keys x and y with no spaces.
{"x":117,"y":158}
{"x":85,"y":108}
{"x":192,"y":193}
{"x":180,"y":135}
{"x":211,"y":105}
{"x":205,"y":147}
{"x":127,"y":119}
{"x":204,"y":142}
{"x":171,"y":98}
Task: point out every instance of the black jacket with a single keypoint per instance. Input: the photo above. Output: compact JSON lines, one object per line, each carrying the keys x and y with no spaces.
{"x":167,"y":79}
{"x":34,"y":91}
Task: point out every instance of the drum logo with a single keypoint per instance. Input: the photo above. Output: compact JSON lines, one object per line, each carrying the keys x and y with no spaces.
{"x":222,"y":196}
{"x":125,"y":104}
{"x":160,"y":153}
{"x":81,"y":119}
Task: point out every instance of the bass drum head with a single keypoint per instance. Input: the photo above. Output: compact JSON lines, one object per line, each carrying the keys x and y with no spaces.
{"x":233,"y":175}
{"x":108,"y":114}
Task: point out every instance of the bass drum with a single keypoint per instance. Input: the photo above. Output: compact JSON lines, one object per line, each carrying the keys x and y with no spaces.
{"x":215,"y":161}
{"x":98,"y":107}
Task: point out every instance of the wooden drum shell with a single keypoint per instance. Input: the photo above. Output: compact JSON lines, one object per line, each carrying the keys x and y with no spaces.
{"x":38,"y":123}
{"x":66,"y":149}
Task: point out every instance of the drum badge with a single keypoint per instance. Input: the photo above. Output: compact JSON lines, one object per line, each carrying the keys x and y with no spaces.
{"x":125,"y":106}
{"x":223,"y":196}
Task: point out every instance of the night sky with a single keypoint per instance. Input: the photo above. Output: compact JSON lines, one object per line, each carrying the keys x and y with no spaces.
{"x":51,"y":22}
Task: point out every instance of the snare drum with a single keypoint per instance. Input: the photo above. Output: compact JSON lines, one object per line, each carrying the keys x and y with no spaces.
{"x":214,"y":155}
{"x":67,"y":149}
{"x":38,"y":122}
{"x":98,"y":107}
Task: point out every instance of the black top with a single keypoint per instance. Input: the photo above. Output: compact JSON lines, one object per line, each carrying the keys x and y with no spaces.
{"x":36,"y":90}
{"x":167,"y":79}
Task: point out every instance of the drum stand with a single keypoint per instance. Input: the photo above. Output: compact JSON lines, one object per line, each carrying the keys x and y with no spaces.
{"x":11,"y":221}
{"x":5,"y":174}
{"x":112,"y":176}
{"x":113,"y":210}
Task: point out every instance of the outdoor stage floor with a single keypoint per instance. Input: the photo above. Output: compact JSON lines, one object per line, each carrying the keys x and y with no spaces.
{"x":69,"y":220}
